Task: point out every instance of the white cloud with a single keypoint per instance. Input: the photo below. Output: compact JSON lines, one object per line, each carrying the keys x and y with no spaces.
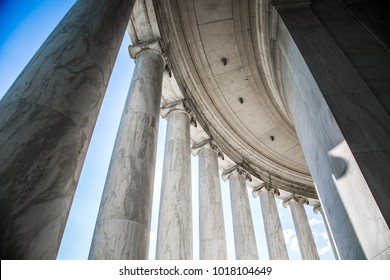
{"x":280,"y":204}
{"x":324,"y":250}
{"x":324,"y":235}
{"x":314,"y":221}
{"x":291,"y":239}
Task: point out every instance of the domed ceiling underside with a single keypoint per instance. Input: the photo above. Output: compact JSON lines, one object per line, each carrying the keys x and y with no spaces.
{"x":214,"y":52}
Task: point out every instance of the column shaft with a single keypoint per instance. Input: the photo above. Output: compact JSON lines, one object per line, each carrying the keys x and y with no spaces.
{"x":123,"y":225}
{"x":318,"y":208}
{"x":305,"y":238}
{"x":244,"y":235}
{"x":212,"y":238}
{"x":46,"y":121}
{"x":276,"y":244}
{"x":174,"y":236}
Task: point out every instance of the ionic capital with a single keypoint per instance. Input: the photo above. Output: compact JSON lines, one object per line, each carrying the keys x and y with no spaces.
{"x":265,"y":188}
{"x":236,"y":170}
{"x":207,"y":144}
{"x":317,"y":208}
{"x":179,"y":105}
{"x":136,"y":50}
{"x":297,"y":198}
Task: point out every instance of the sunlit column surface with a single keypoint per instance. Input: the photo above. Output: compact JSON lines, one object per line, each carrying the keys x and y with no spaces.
{"x":212,"y":239}
{"x":46,"y":122}
{"x":277,"y":249}
{"x":305,"y":238}
{"x":123,"y":225}
{"x":318,"y":209}
{"x":244,"y":235}
{"x":174,"y":234}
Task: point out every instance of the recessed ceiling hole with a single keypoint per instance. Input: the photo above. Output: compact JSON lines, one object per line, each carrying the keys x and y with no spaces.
{"x":224,"y":61}
{"x":272,"y":138}
{"x":241,"y":100}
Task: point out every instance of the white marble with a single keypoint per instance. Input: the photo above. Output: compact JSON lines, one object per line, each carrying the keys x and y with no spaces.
{"x":305,"y":237}
{"x":123,"y":224}
{"x":277,"y":249}
{"x":244,"y":235}
{"x":318,"y":209}
{"x":337,"y":118}
{"x":212,"y":239}
{"x":46,"y":122}
{"x":174,"y":235}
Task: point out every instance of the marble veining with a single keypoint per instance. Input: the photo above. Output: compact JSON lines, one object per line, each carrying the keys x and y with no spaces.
{"x":244,"y":235}
{"x":174,"y":235}
{"x":212,"y":239}
{"x":277,"y":249}
{"x":123,"y":223}
{"x":46,"y":121}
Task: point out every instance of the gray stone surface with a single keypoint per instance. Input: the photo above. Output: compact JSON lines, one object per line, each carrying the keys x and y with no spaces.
{"x":46,"y":121}
{"x":305,"y":238}
{"x":123,"y":225}
{"x":244,"y":235}
{"x":174,"y":235}
{"x":342,"y":128}
{"x":212,"y":239}
{"x":277,"y":249}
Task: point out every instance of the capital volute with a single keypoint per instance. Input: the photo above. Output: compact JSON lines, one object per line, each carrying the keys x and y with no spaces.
{"x":295,"y":198}
{"x":264,"y":187}
{"x":180,"y":105}
{"x":236,"y":170}
{"x":207,"y":144}
{"x":317,"y":208}
{"x":155,"y":46}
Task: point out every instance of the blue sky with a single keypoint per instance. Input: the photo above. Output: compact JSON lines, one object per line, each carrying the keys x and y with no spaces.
{"x":25,"y":24}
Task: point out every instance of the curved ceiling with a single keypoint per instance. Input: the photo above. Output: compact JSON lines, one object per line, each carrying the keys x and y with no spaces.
{"x":213,"y":50}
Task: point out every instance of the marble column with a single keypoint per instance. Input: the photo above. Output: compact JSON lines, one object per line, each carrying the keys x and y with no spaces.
{"x":212,"y":239}
{"x":318,"y":209}
{"x":174,"y":234}
{"x":305,"y":238}
{"x":277,"y":249}
{"x":46,"y":122}
{"x":123,"y":225}
{"x":244,"y":234}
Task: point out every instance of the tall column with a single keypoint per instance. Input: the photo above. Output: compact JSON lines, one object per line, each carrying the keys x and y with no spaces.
{"x":318,"y":209}
{"x":46,"y":122}
{"x":276,"y":244}
{"x":123,"y":225}
{"x":174,"y":235}
{"x":244,"y":234}
{"x":212,"y":239}
{"x":305,"y":238}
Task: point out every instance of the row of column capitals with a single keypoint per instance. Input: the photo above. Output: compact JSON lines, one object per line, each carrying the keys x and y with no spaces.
{"x":180,"y":105}
{"x":207,"y":144}
{"x":265,"y":188}
{"x":237,"y":169}
{"x":155,"y":46}
{"x":297,"y":198}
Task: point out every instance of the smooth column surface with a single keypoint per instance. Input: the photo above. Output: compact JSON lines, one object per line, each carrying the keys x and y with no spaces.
{"x":212,"y":240}
{"x":318,"y":209}
{"x":277,"y":249}
{"x":305,"y":238}
{"x":123,"y":225}
{"x":46,"y":122}
{"x":174,"y":235}
{"x":244,"y":235}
